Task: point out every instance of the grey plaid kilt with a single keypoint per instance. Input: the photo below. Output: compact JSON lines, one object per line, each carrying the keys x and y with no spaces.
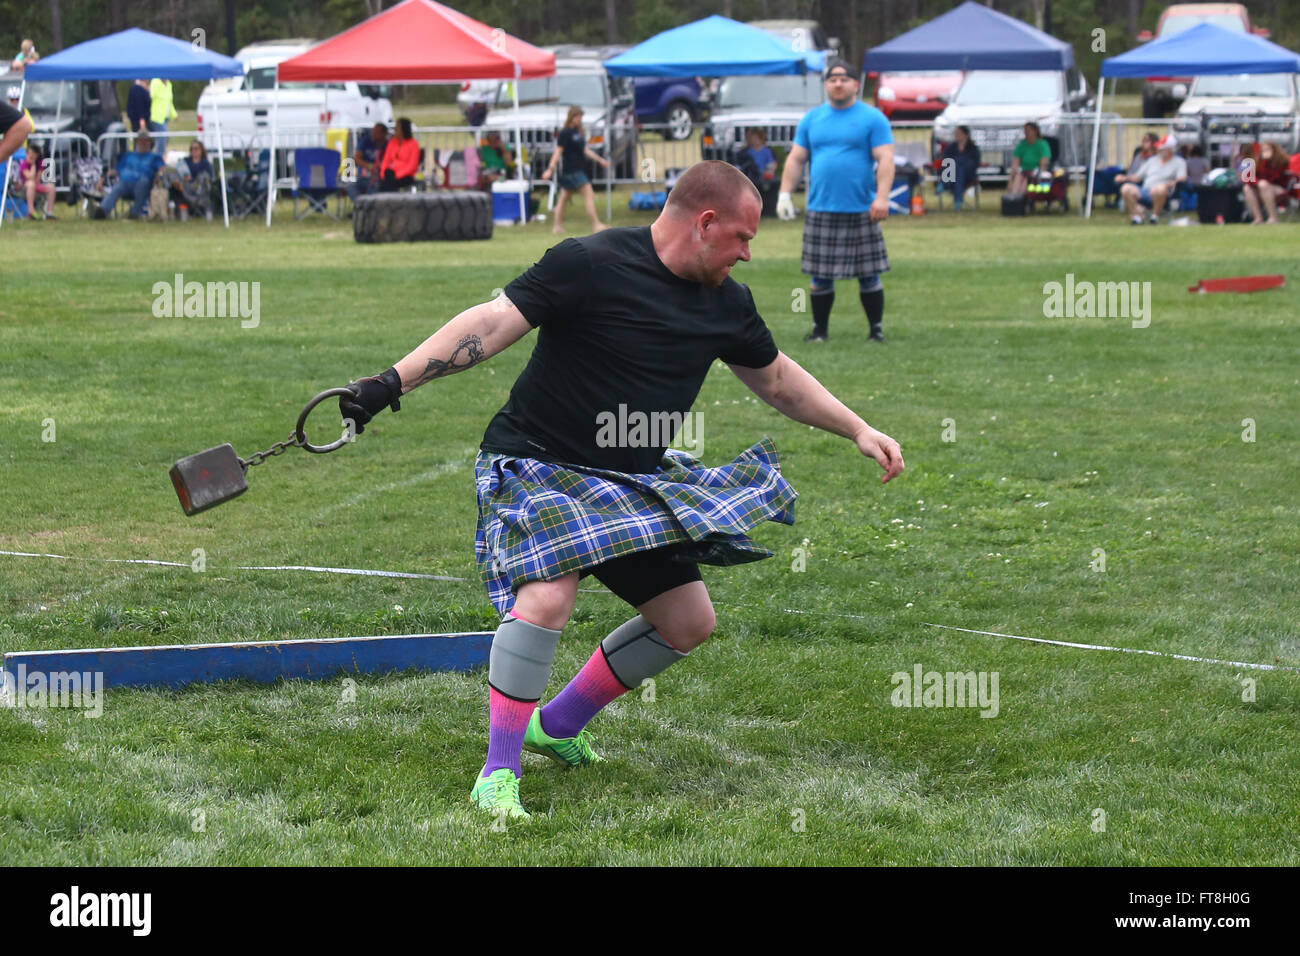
{"x":842,"y":245}
{"x":538,"y":521}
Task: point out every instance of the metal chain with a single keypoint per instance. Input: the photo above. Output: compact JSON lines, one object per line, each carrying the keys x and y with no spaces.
{"x":277,"y":449}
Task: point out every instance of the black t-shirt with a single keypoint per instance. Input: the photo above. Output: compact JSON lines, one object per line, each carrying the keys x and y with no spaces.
{"x":8,"y":116}
{"x":622,"y":350}
{"x":572,"y":145}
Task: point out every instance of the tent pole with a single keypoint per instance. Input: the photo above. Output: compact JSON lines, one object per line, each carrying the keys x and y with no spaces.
{"x":519,"y":151}
{"x":1096,"y":135}
{"x":270,"y":179}
{"x":221,"y":161}
{"x":4,"y":199}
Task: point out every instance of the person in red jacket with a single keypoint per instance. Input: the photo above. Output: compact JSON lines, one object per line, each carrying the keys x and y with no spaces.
{"x":1266,"y":182}
{"x":401,"y":160}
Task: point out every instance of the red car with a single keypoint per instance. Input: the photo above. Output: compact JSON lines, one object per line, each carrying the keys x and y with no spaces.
{"x":1163,"y":93}
{"x":914,"y":94}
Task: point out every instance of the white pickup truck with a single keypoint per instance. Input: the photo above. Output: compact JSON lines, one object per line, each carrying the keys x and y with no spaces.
{"x":247,"y":103}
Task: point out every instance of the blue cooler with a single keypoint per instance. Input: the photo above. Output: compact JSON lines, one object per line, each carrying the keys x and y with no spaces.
{"x":509,"y":202}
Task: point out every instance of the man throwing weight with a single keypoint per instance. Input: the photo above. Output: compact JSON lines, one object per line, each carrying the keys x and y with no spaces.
{"x":846,"y":204}
{"x":629,"y":323}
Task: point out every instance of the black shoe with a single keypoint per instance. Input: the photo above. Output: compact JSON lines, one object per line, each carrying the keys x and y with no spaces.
{"x":877,"y":336}
{"x":815,"y":336}
{"x":97,"y":212}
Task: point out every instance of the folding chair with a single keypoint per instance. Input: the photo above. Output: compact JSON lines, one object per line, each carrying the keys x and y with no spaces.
{"x":318,"y":179}
{"x":15,"y":194}
{"x":88,"y":171}
{"x":246,"y":188}
{"x":460,"y":168}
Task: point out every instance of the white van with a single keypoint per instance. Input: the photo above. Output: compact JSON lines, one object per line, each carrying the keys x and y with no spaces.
{"x":306,"y":110}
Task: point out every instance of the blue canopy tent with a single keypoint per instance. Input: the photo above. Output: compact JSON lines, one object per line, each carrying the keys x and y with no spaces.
{"x":714,"y":46}
{"x":971,"y":37}
{"x":133,"y":54}
{"x":1204,"y":50}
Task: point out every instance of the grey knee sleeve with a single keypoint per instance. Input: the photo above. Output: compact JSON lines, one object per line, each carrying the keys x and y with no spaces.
{"x":635,"y":651}
{"x":520,"y":661}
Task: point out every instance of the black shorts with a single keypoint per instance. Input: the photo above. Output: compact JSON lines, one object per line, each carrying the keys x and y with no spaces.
{"x":646,"y":574}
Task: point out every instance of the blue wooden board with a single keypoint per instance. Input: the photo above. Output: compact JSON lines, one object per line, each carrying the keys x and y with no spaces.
{"x":266,"y":661}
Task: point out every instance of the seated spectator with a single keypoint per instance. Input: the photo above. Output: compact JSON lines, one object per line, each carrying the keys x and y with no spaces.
{"x":1197,"y":164}
{"x":1143,"y":152}
{"x":401,"y":160}
{"x":26,"y":55}
{"x":762,"y":155}
{"x":498,"y":162}
{"x":1031,"y":155}
{"x":1154,"y":182}
{"x":367,"y":157}
{"x":135,"y":174}
{"x":192,"y":190}
{"x":958,"y":165}
{"x":1265,"y":182}
{"x":29,"y":172}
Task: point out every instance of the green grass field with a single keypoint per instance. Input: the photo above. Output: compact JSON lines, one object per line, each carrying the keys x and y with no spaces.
{"x":777,"y":741}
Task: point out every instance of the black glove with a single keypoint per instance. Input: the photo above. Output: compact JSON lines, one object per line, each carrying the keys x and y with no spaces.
{"x":370,"y":396}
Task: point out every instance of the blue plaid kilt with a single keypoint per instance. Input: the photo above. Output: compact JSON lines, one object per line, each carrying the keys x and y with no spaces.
{"x":842,"y":245}
{"x":538,"y":521}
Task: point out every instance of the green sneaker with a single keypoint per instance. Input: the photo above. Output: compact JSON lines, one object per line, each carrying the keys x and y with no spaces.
{"x":571,"y":751}
{"x":498,"y":793}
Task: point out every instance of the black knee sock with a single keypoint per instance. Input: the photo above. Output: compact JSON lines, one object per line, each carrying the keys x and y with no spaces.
{"x":873,"y":303}
{"x":821,"y":306}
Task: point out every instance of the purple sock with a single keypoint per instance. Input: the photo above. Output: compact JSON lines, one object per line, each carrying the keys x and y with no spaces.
{"x":582,"y":698}
{"x":507,"y":721}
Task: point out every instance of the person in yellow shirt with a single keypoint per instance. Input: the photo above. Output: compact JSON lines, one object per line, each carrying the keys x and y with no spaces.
{"x":161,"y":111}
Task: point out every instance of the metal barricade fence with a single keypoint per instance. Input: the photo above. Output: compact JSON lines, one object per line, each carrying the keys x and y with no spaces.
{"x":63,"y":150}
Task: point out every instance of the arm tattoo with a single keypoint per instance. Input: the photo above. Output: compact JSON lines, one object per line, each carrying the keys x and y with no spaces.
{"x":468,"y":351}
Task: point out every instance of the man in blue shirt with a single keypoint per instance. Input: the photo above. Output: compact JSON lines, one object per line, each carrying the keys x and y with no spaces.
{"x":840,"y":140}
{"x":135,"y":176}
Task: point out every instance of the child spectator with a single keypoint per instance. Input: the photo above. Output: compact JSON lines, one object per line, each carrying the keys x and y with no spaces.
{"x":762,"y":155}
{"x":29,"y":171}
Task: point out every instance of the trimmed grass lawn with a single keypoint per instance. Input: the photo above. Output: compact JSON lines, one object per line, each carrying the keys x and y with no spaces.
{"x":777,"y":742}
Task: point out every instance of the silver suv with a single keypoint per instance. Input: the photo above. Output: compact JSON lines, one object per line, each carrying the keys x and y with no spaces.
{"x":608,"y":104}
{"x":775,"y":104}
{"x":1222,"y":110}
{"x":996,"y":104}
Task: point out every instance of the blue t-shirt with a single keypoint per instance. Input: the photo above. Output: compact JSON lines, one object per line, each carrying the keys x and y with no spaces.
{"x":762,"y":157}
{"x":133,"y":166}
{"x":841,"y":171}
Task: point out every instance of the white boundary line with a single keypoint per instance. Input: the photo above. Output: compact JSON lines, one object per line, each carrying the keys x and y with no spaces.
{"x":280,"y":567}
{"x":1121,"y":650}
{"x":785,"y":610}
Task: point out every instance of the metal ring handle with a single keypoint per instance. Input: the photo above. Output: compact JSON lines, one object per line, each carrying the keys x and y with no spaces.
{"x":302,"y":421}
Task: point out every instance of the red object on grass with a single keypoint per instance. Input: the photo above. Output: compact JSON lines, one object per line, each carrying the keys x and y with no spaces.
{"x":1238,"y":284}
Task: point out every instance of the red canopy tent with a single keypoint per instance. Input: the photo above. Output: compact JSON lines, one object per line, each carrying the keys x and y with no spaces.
{"x":417,"y":41}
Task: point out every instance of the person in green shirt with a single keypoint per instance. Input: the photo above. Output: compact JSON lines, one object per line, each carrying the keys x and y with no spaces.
{"x":1031,"y":154}
{"x":161,"y":111}
{"x":498,"y":162}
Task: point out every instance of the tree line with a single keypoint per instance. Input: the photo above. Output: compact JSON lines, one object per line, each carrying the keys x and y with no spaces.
{"x":859,"y":25}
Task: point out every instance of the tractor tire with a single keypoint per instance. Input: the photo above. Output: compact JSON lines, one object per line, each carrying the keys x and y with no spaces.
{"x":416,"y":217}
